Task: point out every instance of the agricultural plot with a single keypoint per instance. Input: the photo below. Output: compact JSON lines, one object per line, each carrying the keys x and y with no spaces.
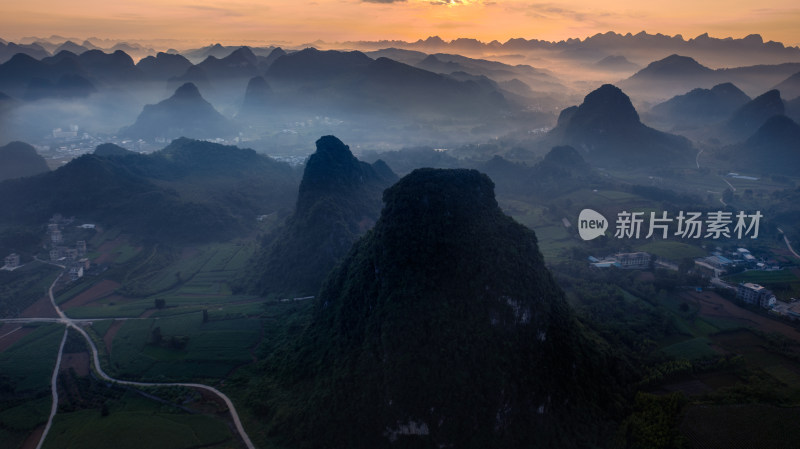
{"x":183,"y":347}
{"x":20,"y":288}
{"x":671,"y":250}
{"x":133,"y":422}
{"x":25,"y":371}
{"x":784,"y":283}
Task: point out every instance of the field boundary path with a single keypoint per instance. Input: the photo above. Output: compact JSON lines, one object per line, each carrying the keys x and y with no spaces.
{"x":70,"y":323}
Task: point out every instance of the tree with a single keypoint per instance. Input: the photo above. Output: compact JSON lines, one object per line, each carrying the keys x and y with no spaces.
{"x":160,"y":303}
{"x":205,"y":315}
{"x":727,"y":195}
{"x":156,"y":336}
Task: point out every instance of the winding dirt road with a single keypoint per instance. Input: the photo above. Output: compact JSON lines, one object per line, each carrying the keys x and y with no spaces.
{"x":63,"y":318}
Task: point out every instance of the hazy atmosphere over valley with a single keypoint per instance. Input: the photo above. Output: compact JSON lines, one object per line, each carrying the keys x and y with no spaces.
{"x":399,"y":224}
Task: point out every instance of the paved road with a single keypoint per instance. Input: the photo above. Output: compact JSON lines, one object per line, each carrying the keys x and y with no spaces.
{"x":788,"y":245}
{"x":96,"y":357}
{"x":54,"y":389}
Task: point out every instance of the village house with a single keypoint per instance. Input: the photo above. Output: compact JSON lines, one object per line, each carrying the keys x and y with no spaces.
{"x":628,"y":261}
{"x":755,"y":294}
{"x":12,"y":261}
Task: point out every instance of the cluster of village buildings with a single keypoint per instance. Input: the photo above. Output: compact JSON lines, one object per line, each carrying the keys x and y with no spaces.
{"x":72,"y":257}
{"x":713,"y":266}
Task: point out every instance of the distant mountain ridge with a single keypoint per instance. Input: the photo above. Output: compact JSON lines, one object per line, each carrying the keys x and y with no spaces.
{"x":702,"y":105}
{"x":676,"y":74}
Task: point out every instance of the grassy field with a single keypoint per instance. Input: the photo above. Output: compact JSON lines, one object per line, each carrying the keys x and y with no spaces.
{"x":24,"y":286}
{"x":135,"y":422}
{"x":29,"y":363}
{"x":671,"y":250}
{"x":212,"y":351}
{"x":25,"y":371}
{"x":784,"y":283}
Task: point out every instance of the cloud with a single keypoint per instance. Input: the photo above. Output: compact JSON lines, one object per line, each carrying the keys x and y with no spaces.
{"x":221,"y":12}
{"x":383,"y":1}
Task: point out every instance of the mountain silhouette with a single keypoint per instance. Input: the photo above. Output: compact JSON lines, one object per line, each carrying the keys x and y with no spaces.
{"x":353,"y":81}
{"x":241,"y":63}
{"x":748,"y":118}
{"x":702,"y":105}
{"x":615,"y":63}
{"x":441,"y":328}
{"x":190,"y":191}
{"x":669,"y":76}
{"x":338,"y":200}
{"x":71,"y":47}
{"x":163,"y":66}
{"x":68,"y":86}
{"x":257,"y":99}
{"x":185,"y":113}
{"x":18,"y":160}
{"x":790,"y":87}
{"x":606,"y":130}
{"x":774,"y":148}
{"x":111,"y":150}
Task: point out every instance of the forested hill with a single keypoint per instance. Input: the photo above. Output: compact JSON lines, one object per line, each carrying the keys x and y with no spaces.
{"x":441,"y":328}
{"x":190,"y":191}
{"x":339,"y":199}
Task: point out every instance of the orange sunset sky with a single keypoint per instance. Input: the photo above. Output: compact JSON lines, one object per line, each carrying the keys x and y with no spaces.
{"x":294,"y":21}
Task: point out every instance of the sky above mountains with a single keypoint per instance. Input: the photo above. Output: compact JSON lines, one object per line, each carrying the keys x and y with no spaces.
{"x":290,"y":21}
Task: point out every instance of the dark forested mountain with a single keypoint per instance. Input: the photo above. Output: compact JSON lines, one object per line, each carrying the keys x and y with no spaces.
{"x":339,"y":200}
{"x":185,"y":113}
{"x":241,"y":63}
{"x":9,"y":49}
{"x":606,"y":130}
{"x":163,"y":66}
{"x":748,"y":118}
{"x":774,"y":148}
{"x":18,"y":160}
{"x":110,"y":149}
{"x":66,"y":71}
{"x":792,"y":109}
{"x":188,"y":192}
{"x":790,"y":87}
{"x":111,"y":68}
{"x":441,"y":328}
{"x":702,"y":106}
{"x":68,"y":86}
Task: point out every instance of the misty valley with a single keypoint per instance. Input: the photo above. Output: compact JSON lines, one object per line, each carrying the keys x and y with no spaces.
{"x":589,"y":243}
